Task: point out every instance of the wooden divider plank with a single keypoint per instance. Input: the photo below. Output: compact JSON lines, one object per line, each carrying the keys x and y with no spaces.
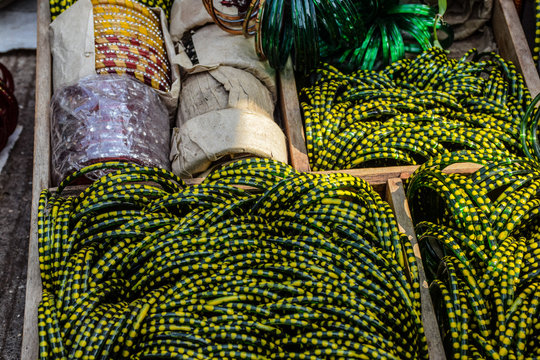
{"x":292,"y":118}
{"x":376,"y":176}
{"x":379,"y":176}
{"x":395,"y":195}
{"x":40,"y":180}
{"x":513,"y":44}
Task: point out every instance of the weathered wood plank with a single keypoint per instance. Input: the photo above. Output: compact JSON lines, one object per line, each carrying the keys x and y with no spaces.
{"x":377,"y":176}
{"x":395,"y":195}
{"x":292,"y":118}
{"x":513,"y":44}
{"x":40,"y":180}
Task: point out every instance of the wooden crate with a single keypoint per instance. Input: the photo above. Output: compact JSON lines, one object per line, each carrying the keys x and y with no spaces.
{"x":512,"y":46}
{"x":385,"y":182}
{"x":41,"y":175}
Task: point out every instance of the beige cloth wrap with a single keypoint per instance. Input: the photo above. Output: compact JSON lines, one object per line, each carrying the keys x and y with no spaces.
{"x":187,"y":15}
{"x":215,"y":47}
{"x":226,"y":104}
{"x":220,"y":88}
{"x":207,"y":138}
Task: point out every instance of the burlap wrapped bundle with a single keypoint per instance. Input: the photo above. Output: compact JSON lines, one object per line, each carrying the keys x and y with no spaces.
{"x":227,"y":101}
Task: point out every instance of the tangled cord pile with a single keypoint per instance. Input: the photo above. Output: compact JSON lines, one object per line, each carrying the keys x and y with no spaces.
{"x":9,"y":109}
{"x":297,"y":266}
{"x":480,"y":239}
{"x":414,"y":110}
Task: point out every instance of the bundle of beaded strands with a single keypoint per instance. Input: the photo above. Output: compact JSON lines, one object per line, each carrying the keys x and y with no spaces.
{"x":529,"y":130}
{"x":257,"y":262}
{"x":413,"y":110}
{"x":9,"y":109}
{"x":536,"y":47}
{"x":349,"y":34}
{"x":59,"y":6}
{"x":128,"y":40}
{"x":487,"y":229}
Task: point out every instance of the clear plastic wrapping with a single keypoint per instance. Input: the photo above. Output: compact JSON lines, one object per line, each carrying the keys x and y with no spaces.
{"x":107,"y":117}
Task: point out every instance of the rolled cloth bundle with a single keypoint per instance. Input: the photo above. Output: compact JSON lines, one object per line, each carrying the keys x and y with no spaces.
{"x":226,"y":104}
